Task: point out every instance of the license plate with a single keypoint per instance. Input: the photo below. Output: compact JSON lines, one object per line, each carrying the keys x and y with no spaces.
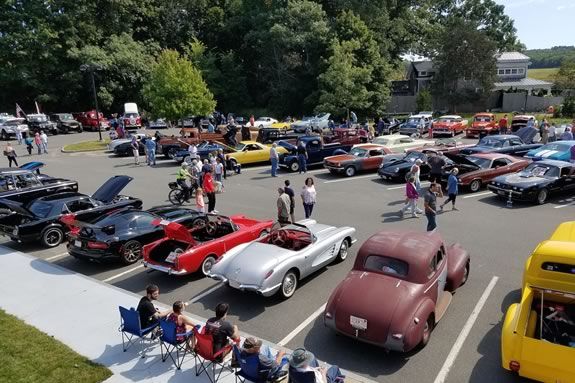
{"x":171,"y":257}
{"x":501,"y":192}
{"x":358,"y":323}
{"x":78,"y":243}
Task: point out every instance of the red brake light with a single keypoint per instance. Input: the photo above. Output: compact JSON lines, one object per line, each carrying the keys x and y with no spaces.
{"x":68,"y":219}
{"x":514,"y":366}
{"x":97,"y":245}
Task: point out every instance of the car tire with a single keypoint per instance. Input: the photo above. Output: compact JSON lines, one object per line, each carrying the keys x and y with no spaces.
{"x":475,"y":185}
{"x":52,"y":236}
{"x":465,"y":274}
{"x":80,"y":129}
{"x":131,"y":252}
{"x":289,"y":284}
{"x":207,"y":264}
{"x":427,"y":329}
{"x":350,"y":171}
{"x":343,"y":251}
{"x":4,"y":136}
{"x":542,"y":196}
{"x":294,"y":167}
{"x":172,"y":153}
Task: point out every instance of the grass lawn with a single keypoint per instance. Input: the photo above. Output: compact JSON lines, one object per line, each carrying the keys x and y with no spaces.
{"x":545,"y":74}
{"x":27,"y":355}
{"x":86,"y":146}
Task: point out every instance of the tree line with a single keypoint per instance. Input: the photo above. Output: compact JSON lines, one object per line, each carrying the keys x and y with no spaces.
{"x":550,"y":58}
{"x":282,"y":57}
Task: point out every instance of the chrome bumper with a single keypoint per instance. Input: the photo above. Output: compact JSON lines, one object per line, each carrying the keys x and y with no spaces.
{"x":164,"y":269}
{"x":266,"y":292}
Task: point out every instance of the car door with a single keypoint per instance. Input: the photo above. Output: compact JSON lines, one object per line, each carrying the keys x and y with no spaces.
{"x":373,"y":159}
{"x":499,"y":166}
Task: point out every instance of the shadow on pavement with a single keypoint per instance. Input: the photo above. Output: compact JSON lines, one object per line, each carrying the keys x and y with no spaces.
{"x":392,"y":216}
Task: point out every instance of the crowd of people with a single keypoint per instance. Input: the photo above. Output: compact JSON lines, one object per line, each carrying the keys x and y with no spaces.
{"x":40,"y":140}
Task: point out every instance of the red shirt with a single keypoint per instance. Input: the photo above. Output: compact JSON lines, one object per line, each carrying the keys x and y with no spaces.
{"x":503,"y":123}
{"x":208,"y":183}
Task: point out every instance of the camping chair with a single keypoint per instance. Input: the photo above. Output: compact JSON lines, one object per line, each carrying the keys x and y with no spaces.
{"x":249,"y":369}
{"x":130,"y":327}
{"x":296,"y":376}
{"x":169,"y":342}
{"x":206,"y":359}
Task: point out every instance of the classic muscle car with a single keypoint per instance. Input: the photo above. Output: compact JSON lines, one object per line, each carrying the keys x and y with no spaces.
{"x":449,"y":125}
{"x":38,"y":220}
{"x":65,"y":123}
{"x":122,"y":233}
{"x":397,"y":170}
{"x":479,"y":169}
{"x":536,"y":182}
{"x":40,"y":122}
{"x":10,"y":125}
{"x":364,"y":158}
{"x":538,"y":333}
{"x":316,"y":149}
{"x":276,"y":262}
{"x":559,"y":150}
{"x":398,"y":289}
{"x":416,"y":124}
{"x":251,"y":152}
{"x":169,"y":146}
{"x":520,"y":121}
{"x":501,"y":143}
{"x":398,"y":142}
{"x":482,"y":123}
{"x":25,"y":183}
{"x":186,"y":250}
{"x":124,"y":148}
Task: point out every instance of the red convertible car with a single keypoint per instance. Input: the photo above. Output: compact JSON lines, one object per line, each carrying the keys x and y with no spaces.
{"x":450,"y":125}
{"x":184,"y":251}
{"x":360,"y":158}
{"x":482,"y":123}
{"x":398,"y":289}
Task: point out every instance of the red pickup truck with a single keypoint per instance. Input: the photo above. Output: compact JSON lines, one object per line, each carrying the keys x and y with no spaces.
{"x":89,"y":121}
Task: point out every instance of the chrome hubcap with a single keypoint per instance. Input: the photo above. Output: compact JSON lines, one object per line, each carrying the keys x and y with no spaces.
{"x":289,"y":285}
{"x":208,"y":264}
{"x":132,"y":252}
{"x":343,"y":250}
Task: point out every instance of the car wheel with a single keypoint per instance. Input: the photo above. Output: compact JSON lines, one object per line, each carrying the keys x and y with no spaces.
{"x":207,"y":264}
{"x":289,"y":285}
{"x":475,"y":185}
{"x":294,"y":166}
{"x":350,"y":171}
{"x":131,"y":252}
{"x":4,"y":136}
{"x":172,"y":152}
{"x":52,"y":236}
{"x":427,"y":329}
{"x":465,"y":274}
{"x":343,"y":251}
{"x":542,"y":196}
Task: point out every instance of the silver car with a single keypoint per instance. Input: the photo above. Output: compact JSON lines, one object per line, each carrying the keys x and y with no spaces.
{"x":276,"y":262}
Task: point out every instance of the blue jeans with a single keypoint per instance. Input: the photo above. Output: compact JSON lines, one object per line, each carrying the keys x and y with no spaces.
{"x":302,"y":163}
{"x":308,"y":208}
{"x":431,"y":224}
{"x":151,"y":157}
{"x":274,"y":162}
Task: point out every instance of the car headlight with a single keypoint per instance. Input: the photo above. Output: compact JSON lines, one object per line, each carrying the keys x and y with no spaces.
{"x":520,"y":189}
{"x":396,"y":170}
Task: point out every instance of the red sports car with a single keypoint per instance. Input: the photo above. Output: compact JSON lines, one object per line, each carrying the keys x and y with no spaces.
{"x":184,"y":251}
{"x":399,"y":288}
{"x":450,"y":125}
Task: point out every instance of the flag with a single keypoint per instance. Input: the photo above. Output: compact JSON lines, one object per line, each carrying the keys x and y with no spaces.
{"x":37,"y":107}
{"x":19,"y":111}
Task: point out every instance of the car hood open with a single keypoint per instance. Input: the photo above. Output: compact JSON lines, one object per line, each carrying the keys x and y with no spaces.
{"x":111,"y":188}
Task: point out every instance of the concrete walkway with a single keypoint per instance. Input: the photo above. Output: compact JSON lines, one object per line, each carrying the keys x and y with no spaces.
{"x":83,"y":313}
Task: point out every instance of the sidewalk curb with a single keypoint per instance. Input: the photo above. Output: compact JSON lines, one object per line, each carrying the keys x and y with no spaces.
{"x":81,"y":151}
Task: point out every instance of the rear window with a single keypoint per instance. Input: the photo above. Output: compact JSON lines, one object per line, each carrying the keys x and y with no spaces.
{"x":40,"y":208}
{"x":119,"y":219}
{"x":387,"y":265}
{"x":558,"y":267}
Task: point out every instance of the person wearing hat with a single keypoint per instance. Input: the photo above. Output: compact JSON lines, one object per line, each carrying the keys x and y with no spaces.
{"x":270,"y":366}
{"x":303,"y":361}
{"x":181,"y":176}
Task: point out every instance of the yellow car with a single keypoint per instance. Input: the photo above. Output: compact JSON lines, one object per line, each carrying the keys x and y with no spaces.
{"x":538,"y":335}
{"x":251,"y":152}
{"x":281,"y":125}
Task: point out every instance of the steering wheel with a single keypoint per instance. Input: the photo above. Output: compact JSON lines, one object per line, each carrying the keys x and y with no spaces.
{"x":211,"y":228}
{"x":279,"y":237}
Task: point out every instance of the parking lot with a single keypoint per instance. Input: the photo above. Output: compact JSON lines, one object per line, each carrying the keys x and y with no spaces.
{"x":465,"y":344}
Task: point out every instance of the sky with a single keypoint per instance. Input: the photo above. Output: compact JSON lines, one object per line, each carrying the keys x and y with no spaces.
{"x":542,"y":23}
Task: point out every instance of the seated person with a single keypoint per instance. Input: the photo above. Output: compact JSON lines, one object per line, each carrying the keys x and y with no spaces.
{"x":149,"y":315}
{"x":302,"y":361}
{"x":221,"y":330}
{"x":183,"y":323}
{"x":270,"y":366}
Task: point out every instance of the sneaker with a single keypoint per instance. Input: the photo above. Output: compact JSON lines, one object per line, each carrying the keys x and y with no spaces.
{"x":414,"y":216}
{"x":454,"y":208}
{"x":215,"y":211}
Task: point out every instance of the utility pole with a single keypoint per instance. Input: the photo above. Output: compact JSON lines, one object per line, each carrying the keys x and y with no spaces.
{"x":92,"y":69}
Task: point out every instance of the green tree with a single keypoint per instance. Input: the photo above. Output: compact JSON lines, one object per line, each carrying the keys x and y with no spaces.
{"x":343,"y":85}
{"x":424,"y":101}
{"x":175,"y":88}
{"x":565,"y":77}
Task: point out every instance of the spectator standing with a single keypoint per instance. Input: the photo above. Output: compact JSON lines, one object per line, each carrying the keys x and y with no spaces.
{"x":302,"y":157}
{"x":19,"y":136}
{"x":270,"y":366}
{"x":221,"y":330}
{"x":283,"y":203}
{"x":380,"y":126}
{"x":219,"y":173}
{"x":531,"y":123}
{"x":436,"y":163}
{"x":10,"y":153}
{"x":452,"y":189}
{"x":135,"y":150}
{"x":149,"y":315}
{"x":308,"y":196}
{"x":552,"y":133}
{"x":252,"y":121}
{"x":222,"y":158}
{"x":503,"y":125}
{"x":412,"y":195}
{"x":274,"y":158}
{"x":200,"y":203}
{"x":289,"y":191}
{"x":44,"y":140}
{"x":430,"y":205}
{"x":304,"y":361}
{"x":151,"y":151}
{"x":210,"y":189}
{"x":566,"y":135}
{"x":211,"y":128}
{"x":38,"y":142}
{"x":29,"y":141}
{"x":415,"y":171}
{"x":544,"y":131}
{"x":193,"y":151}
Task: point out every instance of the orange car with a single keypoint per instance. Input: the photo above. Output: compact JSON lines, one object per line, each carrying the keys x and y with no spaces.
{"x":482,"y":122}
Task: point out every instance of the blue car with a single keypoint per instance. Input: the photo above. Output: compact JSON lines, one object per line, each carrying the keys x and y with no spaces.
{"x":559,"y":150}
{"x":204,"y":150}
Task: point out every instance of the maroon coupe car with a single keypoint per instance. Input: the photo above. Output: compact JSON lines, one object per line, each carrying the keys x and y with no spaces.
{"x":399,"y":288}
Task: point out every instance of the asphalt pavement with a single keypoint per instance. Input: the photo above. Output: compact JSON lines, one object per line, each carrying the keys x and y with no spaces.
{"x":465,"y":344}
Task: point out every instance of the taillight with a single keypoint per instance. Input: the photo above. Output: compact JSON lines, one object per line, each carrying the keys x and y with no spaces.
{"x":68,"y":219}
{"x":269,"y":274}
{"x":97,"y":245}
{"x":514,"y":366}
{"x":74,"y":230}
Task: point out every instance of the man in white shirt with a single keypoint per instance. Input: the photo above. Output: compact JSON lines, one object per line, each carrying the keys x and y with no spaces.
{"x":274,"y":158}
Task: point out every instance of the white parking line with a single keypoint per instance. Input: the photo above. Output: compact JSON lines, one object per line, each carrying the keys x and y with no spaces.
{"x":207,"y":292}
{"x":56,"y":256}
{"x":464,"y":333}
{"x":562,"y":206}
{"x":349,"y":179}
{"x":123,"y":273}
{"x":477,"y":194}
{"x":302,"y":326}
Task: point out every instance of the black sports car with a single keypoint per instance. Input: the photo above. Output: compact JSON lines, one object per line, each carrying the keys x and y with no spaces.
{"x":397,"y":170}
{"x":535,"y":182}
{"x":501,"y":143}
{"x":122,"y":234}
{"x":25,"y":183}
{"x":125,"y":149}
{"x":39,"y":220}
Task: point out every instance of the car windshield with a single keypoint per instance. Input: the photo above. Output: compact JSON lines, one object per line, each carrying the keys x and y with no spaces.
{"x":483,"y":163}
{"x":491,"y":142}
{"x":446,"y":120}
{"x":556,"y":147}
{"x":411,"y":157}
{"x":40,"y":208}
{"x":240,"y":147}
{"x":413,"y":120}
{"x":541,"y":170}
{"x":386,"y":265}
{"x":292,"y":237}
{"x":482,"y":119}
{"x":66,"y":117}
{"x":358,"y":152}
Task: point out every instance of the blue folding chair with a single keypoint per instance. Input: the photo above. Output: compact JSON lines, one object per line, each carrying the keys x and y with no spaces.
{"x":249,"y":369}
{"x":131,"y":329}
{"x":169,"y":342}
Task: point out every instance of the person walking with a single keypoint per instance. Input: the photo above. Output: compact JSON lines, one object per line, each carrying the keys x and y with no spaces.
{"x":200,"y":203}
{"x":436,"y":163}
{"x":210,"y":189}
{"x":274,"y":158}
{"x":19,"y":136}
{"x":552,"y":133}
{"x":135,"y":150}
{"x":29,"y":141}
{"x":302,"y":157}
{"x":44,"y":140}
{"x":38,"y":142}
{"x":151,"y":151}
{"x":430,"y":205}
{"x":415,"y":171}
{"x":308,"y":196}
{"x":503,"y":125}
{"x":452,"y":189}
{"x":283,"y":203}
{"x":544,"y":132}
{"x":412,"y":195}
{"x":10,"y":153}
{"x":289,"y":191}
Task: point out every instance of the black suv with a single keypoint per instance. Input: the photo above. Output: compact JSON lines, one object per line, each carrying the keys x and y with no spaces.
{"x":65,"y":123}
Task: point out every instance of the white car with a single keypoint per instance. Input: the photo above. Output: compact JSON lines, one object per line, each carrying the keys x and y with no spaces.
{"x":9,"y":126}
{"x":398,"y":143}
{"x":264,"y":122}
